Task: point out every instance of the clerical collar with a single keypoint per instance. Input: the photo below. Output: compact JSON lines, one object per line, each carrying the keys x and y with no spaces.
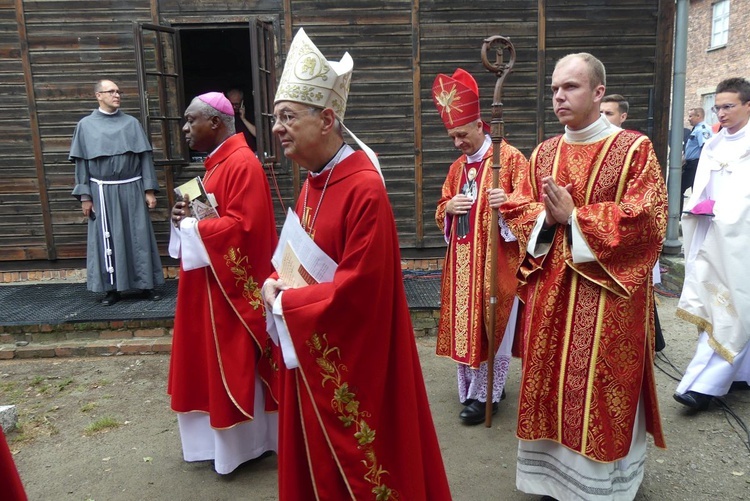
{"x":595,"y":132}
{"x":737,"y":136}
{"x":108,"y":113}
{"x":341,"y":154}
{"x":479,"y":154}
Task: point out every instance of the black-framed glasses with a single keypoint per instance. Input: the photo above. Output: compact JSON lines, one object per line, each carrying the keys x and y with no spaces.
{"x":112,"y":92}
{"x":724,"y":107}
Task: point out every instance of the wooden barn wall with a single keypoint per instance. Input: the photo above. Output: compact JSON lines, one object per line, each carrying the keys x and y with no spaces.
{"x":622,"y":34}
{"x":51,"y":52}
{"x":70,"y":45}
{"x":380,"y":109}
{"x":22,"y":224}
{"x":452,"y":38}
{"x":183,"y":14}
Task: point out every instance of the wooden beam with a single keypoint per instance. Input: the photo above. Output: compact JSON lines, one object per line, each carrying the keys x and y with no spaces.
{"x":288,"y":34}
{"x":541,"y":68}
{"x":417,"y":99}
{"x":663,"y":80}
{"x":35,"y":133}
{"x":155,"y":11}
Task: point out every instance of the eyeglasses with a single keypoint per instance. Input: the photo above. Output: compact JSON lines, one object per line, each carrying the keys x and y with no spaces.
{"x":112,"y":92}
{"x":725,"y":107}
{"x":287,"y":118}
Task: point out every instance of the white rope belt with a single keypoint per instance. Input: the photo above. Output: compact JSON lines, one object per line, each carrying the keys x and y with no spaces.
{"x":105,"y":225}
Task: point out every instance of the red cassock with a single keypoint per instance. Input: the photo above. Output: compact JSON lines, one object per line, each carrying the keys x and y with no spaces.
{"x":219,"y":331}
{"x":354,"y":419}
{"x":11,"y":488}
{"x":588,"y":340}
{"x":465,"y":288}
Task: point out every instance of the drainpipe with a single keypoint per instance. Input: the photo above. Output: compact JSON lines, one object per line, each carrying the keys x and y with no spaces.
{"x":672,"y":244}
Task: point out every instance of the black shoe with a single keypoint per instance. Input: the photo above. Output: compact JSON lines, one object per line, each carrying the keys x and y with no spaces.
{"x":694,"y":400}
{"x":474,"y":413}
{"x":150,"y":294}
{"x":739,"y":386}
{"x":547,"y":498}
{"x":111,"y":298}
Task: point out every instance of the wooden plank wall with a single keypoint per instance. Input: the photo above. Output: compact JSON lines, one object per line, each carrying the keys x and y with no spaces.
{"x":183,"y":14}
{"x":452,"y":38}
{"x":398,"y":48}
{"x":622,"y":34}
{"x":22,"y":234}
{"x":71,"y":44}
{"x":378,"y":36}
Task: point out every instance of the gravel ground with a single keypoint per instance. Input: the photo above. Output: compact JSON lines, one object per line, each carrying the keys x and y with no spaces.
{"x":101,"y":429}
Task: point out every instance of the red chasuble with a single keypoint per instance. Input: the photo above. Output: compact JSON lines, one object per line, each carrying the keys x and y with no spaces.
{"x":11,"y":487}
{"x":354,"y":418}
{"x":219,"y":331}
{"x":588,"y":345}
{"x":465,"y":289}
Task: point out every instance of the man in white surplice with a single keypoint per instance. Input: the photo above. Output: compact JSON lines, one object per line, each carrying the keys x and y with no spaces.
{"x":716,"y":229}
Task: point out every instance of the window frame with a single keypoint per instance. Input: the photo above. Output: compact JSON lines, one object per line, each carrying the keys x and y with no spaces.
{"x":719,"y":24}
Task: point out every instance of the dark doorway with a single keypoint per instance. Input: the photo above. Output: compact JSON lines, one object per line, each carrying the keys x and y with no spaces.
{"x":218,"y":59}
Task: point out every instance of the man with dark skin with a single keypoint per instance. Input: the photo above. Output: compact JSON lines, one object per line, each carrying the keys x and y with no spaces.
{"x":222,"y":377}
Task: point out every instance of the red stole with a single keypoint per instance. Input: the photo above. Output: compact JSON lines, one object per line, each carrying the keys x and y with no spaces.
{"x":354,"y":417}
{"x":219,"y":334}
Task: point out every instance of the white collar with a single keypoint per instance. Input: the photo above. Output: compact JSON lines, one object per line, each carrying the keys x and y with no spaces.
{"x":478,"y":155}
{"x":597,"y":131}
{"x":343,"y":152}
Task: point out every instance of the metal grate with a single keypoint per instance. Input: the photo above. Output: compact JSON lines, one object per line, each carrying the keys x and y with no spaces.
{"x":60,"y":303}
{"x":423,"y":293}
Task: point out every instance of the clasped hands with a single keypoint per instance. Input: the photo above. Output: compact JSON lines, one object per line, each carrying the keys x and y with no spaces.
{"x":557,"y":201}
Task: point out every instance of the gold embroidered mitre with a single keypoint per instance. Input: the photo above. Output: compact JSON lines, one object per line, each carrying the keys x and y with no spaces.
{"x":309,"y":78}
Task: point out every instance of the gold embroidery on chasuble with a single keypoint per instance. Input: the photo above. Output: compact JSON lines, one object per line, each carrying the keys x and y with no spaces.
{"x":461,"y":315}
{"x":307,"y":215}
{"x":575,"y":384}
{"x":239,"y":266}
{"x":345,"y":404}
{"x":268,"y":355}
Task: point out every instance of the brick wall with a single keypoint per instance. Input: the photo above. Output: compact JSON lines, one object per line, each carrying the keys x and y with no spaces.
{"x":422,"y":264}
{"x":68,"y":275}
{"x":706,"y":67}
{"x":79,"y":275}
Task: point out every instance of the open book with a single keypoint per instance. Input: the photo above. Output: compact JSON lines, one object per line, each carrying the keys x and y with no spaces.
{"x":202,"y":204}
{"x":297,"y":259}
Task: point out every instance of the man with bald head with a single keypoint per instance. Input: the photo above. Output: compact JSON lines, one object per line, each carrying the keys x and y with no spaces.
{"x":116,"y":185}
{"x":222,"y":376}
{"x":592,"y":236}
